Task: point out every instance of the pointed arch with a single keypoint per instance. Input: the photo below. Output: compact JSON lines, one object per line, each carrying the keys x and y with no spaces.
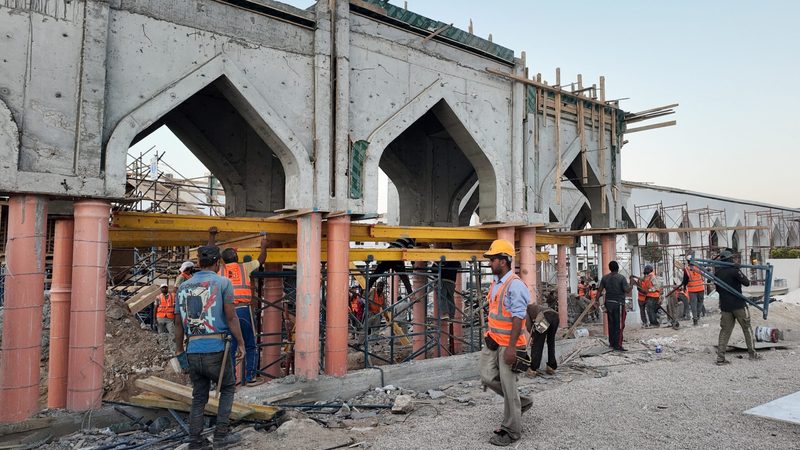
{"x":250,"y":103}
{"x":434,"y":98}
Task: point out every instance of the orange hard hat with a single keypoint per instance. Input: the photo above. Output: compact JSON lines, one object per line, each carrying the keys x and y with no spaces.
{"x":500,"y":247}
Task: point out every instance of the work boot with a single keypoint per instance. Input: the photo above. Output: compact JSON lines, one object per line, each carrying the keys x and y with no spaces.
{"x":226,"y":440}
{"x":755,"y":356}
{"x":694,"y":322}
{"x":722,"y":361}
{"x":201,"y":444}
{"x":549,"y":370}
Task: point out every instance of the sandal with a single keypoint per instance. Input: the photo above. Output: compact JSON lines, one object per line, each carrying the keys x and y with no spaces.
{"x":502,"y":439}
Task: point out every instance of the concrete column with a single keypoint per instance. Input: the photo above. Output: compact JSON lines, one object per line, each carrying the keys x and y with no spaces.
{"x":341,"y":49}
{"x":458,"y":329}
{"x":309,"y":242}
{"x":271,"y":318}
{"x":561,"y":285}
{"x":336,"y":325}
{"x":506,"y":233}
{"x":24,"y":297}
{"x":608,"y":244}
{"x":527,"y":260}
{"x":419,"y":311}
{"x":87,"y":327}
{"x":573,"y":270}
{"x":60,"y":297}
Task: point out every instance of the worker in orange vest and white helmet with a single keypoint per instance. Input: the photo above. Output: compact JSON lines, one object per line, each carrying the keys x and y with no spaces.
{"x":694,"y":284}
{"x":165,"y":313}
{"x":508,"y":302}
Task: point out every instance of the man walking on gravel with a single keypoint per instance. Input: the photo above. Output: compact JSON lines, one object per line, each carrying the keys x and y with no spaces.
{"x":733,"y":308}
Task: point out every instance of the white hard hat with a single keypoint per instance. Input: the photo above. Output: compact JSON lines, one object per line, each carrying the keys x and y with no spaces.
{"x":164,"y":285}
{"x":186,"y":265}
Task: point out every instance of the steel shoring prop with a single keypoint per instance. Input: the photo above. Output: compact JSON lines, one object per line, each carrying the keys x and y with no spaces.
{"x":764,"y":306}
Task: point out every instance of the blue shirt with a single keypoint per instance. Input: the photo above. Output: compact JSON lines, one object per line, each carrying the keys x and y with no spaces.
{"x":517,"y":295}
{"x":199,"y":304}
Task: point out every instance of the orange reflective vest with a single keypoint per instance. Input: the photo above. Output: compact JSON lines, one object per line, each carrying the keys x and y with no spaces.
{"x":240,"y":282}
{"x":581,"y":290}
{"x":500,"y":320}
{"x":592,"y":294}
{"x":695,"y":279}
{"x":647,"y":284}
{"x":376,"y":303}
{"x":166,"y":306}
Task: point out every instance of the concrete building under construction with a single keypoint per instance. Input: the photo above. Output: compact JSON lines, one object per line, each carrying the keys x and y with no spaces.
{"x":294,"y":112}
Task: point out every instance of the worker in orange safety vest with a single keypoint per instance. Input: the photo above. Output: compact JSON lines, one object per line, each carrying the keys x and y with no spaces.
{"x":165,"y":313}
{"x":694,"y":284}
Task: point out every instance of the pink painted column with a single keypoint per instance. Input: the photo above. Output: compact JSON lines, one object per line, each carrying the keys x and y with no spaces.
{"x":24,"y":297}
{"x":419,"y":311}
{"x":527,"y":260}
{"x":506,"y":233}
{"x":336,"y":329}
{"x":60,"y":296}
{"x":458,"y":328}
{"x":309,"y":243}
{"x":87,"y":327}
{"x":608,"y":245}
{"x":561,"y":285}
{"x":271,"y":318}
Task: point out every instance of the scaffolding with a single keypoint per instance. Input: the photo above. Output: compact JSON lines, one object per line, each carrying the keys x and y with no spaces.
{"x":150,"y":189}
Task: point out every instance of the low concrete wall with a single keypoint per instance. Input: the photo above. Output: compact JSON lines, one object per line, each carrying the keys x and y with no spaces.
{"x":416,"y":375}
{"x":788,"y":269}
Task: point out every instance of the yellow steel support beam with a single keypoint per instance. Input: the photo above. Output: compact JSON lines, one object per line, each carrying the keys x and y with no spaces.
{"x":134,"y":229}
{"x":289,"y":255}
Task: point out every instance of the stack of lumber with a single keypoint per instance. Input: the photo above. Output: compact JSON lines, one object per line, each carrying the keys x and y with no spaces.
{"x":143,"y":298}
{"x":160,"y":393}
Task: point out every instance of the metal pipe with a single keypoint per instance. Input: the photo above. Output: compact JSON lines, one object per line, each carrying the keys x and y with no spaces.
{"x":87,"y":311}
{"x":60,"y":297}
{"x":24,"y":296}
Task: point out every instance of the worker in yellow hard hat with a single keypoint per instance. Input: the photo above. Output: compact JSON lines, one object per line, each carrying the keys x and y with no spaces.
{"x":508,"y":302}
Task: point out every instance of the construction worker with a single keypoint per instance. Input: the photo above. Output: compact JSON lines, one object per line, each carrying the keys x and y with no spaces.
{"x":165,"y":312}
{"x":204,"y":313}
{"x":732,"y":308}
{"x":693,"y":283}
{"x":650,"y":285}
{"x":542,"y":323}
{"x":583,"y":288}
{"x":239,"y":274}
{"x":377,"y":301}
{"x":614,"y":286}
{"x":185,"y":273}
{"x":508,"y":303}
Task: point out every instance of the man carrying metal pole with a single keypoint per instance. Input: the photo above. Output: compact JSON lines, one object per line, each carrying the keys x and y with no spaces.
{"x":205,"y":314}
{"x":732,"y":308}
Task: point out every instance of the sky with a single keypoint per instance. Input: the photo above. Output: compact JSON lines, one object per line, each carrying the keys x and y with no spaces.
{"x":731,"y":65}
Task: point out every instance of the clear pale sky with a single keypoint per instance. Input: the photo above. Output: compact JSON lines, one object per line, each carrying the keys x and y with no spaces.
{"x":732,"y":65}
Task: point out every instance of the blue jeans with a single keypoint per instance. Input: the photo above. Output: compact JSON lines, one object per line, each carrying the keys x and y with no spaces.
{"x":248,"y":334}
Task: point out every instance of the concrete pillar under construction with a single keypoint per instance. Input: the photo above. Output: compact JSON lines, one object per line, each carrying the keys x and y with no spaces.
{"x":309,"y":243}
{"x":24,"y":297}
{"x":527,"y":260}
{"x":561,"y":285}
{"x":60,"y":298}
{"x":336,"y":309}
{"x":506,"y":233}
{"x":271,"y":321}
{"x":87,"y":328}
{"x":573,"y":269}
{"x":608,"y":245}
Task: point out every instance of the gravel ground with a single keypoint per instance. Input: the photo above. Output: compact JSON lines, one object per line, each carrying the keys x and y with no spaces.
{"x":640,"y":399}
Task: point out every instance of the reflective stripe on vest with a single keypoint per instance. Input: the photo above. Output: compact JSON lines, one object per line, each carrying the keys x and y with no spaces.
{"x":500,"y":319}
{"x":647,"y":284}
{"x":695,"y":279}
{"x":241,"y":283}
{"x":166,"y":306}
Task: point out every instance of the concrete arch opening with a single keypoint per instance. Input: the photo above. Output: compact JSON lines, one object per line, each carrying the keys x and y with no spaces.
{"x":216,"y":125}
{"x":441,"y":175}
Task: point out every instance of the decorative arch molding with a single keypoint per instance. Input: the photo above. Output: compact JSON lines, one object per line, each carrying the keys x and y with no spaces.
{"x":250,"y":103}
{"x":436,"y":98}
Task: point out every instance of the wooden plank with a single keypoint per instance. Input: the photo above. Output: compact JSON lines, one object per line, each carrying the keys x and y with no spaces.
{"x":579,"y":320}
{"x":435,"y":33}
{"x":651,"y":127}
{"x":284,"y":396}
{"x":183,"y":394}
{"x":153,"y":400}
{"x":559,"y":169}
{"x":537,"y":83}
{"x":582,"y":135}
{"x":142,"y":299}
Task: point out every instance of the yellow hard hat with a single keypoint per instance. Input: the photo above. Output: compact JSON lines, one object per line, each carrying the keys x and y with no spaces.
{"x":500,"y":247}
